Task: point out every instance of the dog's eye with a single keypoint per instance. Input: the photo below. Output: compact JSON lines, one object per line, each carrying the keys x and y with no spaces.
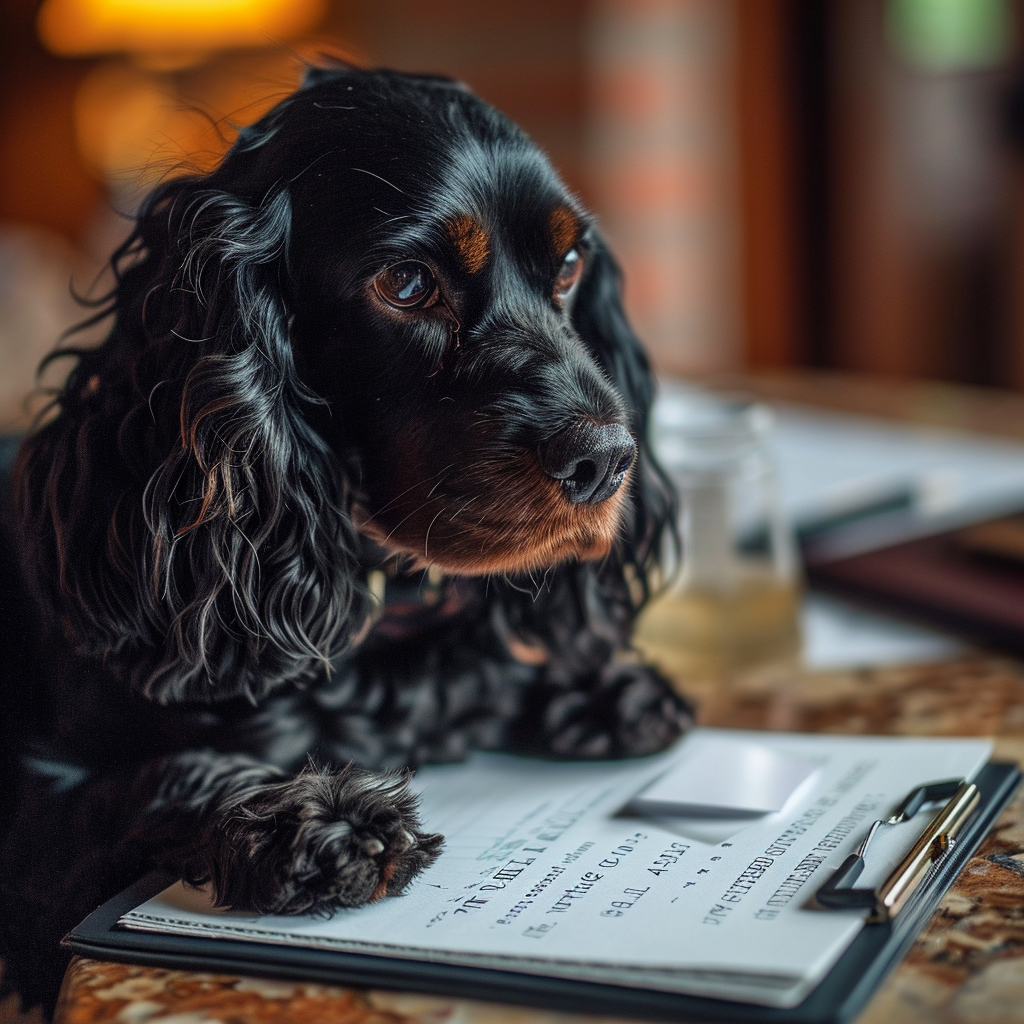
{"x":569,"y":274}
{"x":408,"y":285}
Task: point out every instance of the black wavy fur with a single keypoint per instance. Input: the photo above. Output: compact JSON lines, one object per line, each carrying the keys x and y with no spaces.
{"x":260,"y":431}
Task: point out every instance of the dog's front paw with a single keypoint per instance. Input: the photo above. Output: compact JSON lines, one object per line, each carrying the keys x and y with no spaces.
{"x":321,"y":840}
{"x":630,"y":711}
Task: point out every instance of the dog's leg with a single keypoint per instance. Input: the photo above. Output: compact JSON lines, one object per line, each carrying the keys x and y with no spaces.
{"x":454,"y":692}
{"x":621,"y":710}
{"x":264,"y":840}
{"x":319,"y":840}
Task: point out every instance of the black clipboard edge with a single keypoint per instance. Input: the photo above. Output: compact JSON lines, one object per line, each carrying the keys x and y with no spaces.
{"x":839,"y":996}
{"x":998,"y":781}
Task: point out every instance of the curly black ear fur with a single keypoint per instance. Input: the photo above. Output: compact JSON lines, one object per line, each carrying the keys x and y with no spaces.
{"x":585,"y":611}
{"x":179,"y":509}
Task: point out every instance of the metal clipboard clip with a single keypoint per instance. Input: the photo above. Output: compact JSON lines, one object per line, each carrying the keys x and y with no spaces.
{"x":938,"y":837}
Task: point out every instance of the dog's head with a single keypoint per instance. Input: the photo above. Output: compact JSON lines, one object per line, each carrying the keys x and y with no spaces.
{"x":383,"y":313}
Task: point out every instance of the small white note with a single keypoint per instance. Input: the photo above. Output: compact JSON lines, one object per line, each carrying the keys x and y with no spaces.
{"x":725,"y":778}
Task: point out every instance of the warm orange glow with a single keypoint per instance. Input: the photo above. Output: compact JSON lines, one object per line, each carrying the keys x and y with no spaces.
{"x":79,"y":27}
{"x":136,"y":126}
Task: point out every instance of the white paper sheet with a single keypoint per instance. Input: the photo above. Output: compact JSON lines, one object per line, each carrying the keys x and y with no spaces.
{"x":544,"y":873}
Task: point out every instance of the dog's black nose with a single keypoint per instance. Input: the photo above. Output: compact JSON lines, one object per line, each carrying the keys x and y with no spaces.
{"x":590,"y":459}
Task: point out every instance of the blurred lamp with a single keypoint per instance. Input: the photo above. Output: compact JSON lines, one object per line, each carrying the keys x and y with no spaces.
{"x":159,"y":105}
{"x":75,"y":28}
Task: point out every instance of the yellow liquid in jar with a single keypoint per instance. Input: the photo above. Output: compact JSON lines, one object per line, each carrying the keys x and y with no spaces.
{"x":707,"y":632}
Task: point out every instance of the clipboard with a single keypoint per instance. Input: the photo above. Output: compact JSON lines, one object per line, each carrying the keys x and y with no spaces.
{"x":838,"y":998}
{"x":959,"y":798}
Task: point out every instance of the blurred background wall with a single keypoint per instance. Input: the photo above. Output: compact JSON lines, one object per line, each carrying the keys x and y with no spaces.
{"x":829,"y":184}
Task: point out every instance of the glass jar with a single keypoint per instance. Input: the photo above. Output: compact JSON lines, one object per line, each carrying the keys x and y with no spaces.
{"x":734,"y":601}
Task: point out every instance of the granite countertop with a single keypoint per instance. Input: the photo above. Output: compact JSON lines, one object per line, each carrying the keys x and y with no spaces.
{"x":967,"y":967}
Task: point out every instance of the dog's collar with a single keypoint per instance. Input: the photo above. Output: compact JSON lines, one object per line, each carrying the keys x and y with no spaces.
{"x":388,"y":585}
{"x":408,"y":603}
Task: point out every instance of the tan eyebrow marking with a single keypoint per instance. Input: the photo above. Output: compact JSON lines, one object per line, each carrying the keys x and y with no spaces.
{"x":564,"y":226}
{"x":471,"y":241}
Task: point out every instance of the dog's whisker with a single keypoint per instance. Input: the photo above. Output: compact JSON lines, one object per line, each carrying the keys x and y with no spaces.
{"x":464,"y":507}
{"x":440,"y":481}
{"x":419,"y":508}
{"x":398,"y":497}
{"x":426,"y":536}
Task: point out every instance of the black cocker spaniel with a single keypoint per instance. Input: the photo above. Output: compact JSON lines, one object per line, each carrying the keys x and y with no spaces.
{"x":357,"y":481}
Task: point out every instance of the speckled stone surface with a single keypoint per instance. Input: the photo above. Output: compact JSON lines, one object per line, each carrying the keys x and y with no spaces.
{"x":967,"y":968}
{"x":95,"y":991}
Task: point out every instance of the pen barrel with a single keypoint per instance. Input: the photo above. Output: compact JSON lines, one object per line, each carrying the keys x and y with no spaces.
{"x":934,"y":841}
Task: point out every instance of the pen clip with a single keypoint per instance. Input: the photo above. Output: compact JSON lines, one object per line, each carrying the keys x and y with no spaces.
{"x":885,"y":902}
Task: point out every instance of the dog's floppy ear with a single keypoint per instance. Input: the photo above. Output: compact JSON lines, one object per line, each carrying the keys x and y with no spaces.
{"x":185,"y":520}
{"x":601,"y":321}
